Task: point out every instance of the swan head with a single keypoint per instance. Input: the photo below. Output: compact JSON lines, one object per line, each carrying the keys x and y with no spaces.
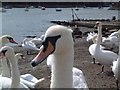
{"x":7,"y":39}
{"x":6,"y":51}
{"x":98,"y":24}
{"x":19,"y":56}
{"x":57,"y":40}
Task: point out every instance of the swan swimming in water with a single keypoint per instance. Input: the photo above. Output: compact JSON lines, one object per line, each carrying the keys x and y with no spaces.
{"x":58,"y":41}
{"x":13,"y":82}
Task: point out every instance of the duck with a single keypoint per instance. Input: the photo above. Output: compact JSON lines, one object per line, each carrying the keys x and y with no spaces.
{"x":58,"y":41}
{"x":5,"y":39}
{"x":104,"y":57}
{"x":115,"y":66}
{"x":13,"y":82}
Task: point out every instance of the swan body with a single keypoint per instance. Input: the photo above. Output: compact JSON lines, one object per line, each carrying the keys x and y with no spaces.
{"x":37,"y":40}
{"x":115,"y":66}
{"x":6,"y":83}
{"x":92,"y":36}
{"x":92,"y":48}
{"x":110,"y":42}
{"x":14,"y":82}
{"x":29,"y":44}
{"x":3,"y":41}
{"x":105,"y":57}
{"x":29,"y":80}
{"x":58,"y":41}
{"x":114,"y":34}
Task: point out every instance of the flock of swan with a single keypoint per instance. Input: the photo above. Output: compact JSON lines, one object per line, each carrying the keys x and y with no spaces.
{"x":57,"y":47}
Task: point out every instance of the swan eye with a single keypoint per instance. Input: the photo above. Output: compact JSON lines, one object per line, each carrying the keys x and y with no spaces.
{"x":21,"y":55}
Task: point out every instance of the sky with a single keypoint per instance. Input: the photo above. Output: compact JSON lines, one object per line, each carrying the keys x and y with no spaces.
{"x":60,"y":0}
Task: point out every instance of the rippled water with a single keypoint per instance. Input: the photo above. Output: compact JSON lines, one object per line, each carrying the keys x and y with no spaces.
{"x":19,"y":23}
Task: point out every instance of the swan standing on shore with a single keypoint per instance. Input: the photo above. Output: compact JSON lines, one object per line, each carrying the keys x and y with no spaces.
{"x":58,"y":41}
{"x":104,"y":57}
{"x":4,"y":40}
{"x":27,"y":79}
{"x":13,"y":82}
{"x":115,"y":67}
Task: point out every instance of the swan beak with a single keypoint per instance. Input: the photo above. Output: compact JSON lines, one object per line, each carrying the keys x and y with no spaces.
{"x":13,"y":41}
{"x":42,"y":55}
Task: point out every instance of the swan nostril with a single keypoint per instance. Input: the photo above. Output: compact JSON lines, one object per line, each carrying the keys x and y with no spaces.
{"x":33,"y":63}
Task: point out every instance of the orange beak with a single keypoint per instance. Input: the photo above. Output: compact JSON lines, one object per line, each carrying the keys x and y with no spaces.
{"x":12,"y":41}
{"x":42,"y":55}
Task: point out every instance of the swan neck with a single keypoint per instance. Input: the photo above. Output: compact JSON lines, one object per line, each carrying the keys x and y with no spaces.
{"x":62,"y":75}
{"x":119,"y":49}
{"x":15,"y":75}
{"x":99,"y":39}
{"x":2,"y":43}
{"x":6,"y":68}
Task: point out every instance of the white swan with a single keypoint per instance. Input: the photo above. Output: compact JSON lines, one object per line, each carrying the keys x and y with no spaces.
{"x":104,"y":57}
{"x":91,"y":37}
{"x":28,"y":44}
{"x":58,"y":41}
{"x":27,"y":79}
{"x":13,"y":82}
{"x":111,"y":42}
{"x":116,"y":64}
{"x":4,"y":40}
{"x":92,"y":47}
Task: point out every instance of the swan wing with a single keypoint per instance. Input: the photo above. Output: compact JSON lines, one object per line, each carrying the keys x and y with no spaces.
{"x":30,"y":45}
{"x":29,"y":78}
{"x":79,"y":82}
{"x":79,"y":79}
{"x":115,"y":68}
{"x":6,"y":83}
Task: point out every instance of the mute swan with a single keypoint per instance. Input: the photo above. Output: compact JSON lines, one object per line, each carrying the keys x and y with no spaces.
{"x":116,"y":64}
{"x":58,"y":41}
{"x":4,"y":40}
{"x":104,"y":57}
{"x":111,"y":42}
{"x":14,"y":82}
{"x":28,"y":44}
{"x":91,"y":36}
{"x":27,"y":79}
